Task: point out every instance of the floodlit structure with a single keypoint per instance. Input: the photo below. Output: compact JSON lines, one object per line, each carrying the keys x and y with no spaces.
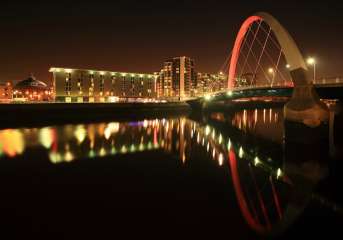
{"x":31,"y":89}
{"x":85,"y":85}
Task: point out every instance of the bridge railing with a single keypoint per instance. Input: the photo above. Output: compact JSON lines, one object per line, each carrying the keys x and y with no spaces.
{"x":333,"y":81}
{"x":329,"y":81}
{"x":260,"y":86}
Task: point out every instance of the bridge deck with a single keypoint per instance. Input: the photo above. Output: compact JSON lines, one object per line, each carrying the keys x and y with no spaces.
{"x":327,"y":90}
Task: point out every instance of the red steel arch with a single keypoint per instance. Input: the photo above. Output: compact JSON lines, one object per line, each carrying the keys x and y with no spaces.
{"x":291,"y":51}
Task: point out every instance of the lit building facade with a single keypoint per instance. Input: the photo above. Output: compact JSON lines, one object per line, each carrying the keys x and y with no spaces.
{"x":6,"y":91}
{"x":32,"y":90}
{"x":208,"y":83}
{"x":177,"y":78}
{"x":82,"y":85}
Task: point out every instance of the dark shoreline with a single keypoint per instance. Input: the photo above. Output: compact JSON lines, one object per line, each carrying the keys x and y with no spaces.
{"x":44,"y":114}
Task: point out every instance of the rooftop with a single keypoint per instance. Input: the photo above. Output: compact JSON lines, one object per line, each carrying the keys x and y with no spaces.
{"x":100,"y":72}
{"x":31,"y":82}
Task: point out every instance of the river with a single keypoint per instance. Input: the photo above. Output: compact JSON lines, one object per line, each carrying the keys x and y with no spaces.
{"x":224,"y":175}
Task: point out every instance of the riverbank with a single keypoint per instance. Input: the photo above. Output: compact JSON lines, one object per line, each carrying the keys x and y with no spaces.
{"x":17,"y":115}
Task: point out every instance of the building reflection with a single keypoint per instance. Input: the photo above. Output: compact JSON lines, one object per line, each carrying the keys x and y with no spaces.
{"x":11,"y":143}
{"x":248,"y":119}
{"x":260,"y":184}
{"x":71,"y":142}
{"x":265,"y":123}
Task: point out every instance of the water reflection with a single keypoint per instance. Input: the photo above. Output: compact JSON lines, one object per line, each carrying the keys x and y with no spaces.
{"x":70,"y":142}
{"x":263,"y":188}
{"x":305,"y":165}
{"x":260,"y":122}
{"x":11,"y":142}
{"x":265,"y":123}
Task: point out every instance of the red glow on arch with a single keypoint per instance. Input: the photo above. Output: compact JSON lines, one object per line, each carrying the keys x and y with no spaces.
{"x":240,"y":196}
{"x":236,"y":48}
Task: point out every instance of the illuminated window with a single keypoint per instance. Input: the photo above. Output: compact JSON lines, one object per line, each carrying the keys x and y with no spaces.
{"x":102,"y":84}
{"x":91,"y":88}
{"x":68,"y":84}
{"x":80,"y":83}
{"x":113,"y":81}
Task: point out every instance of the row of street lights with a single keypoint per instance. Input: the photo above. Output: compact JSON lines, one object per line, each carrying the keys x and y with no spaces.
{"x":310,"y":61}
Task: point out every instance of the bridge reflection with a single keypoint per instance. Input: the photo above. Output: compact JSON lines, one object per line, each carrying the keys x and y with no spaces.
{"x":259,"y":182}
{"x":73,"y":142}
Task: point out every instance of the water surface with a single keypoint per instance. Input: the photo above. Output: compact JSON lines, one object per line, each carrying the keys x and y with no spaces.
{"x":228,"y":175}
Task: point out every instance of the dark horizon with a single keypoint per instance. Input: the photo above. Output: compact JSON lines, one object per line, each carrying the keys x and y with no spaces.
{"x":138,"y":37}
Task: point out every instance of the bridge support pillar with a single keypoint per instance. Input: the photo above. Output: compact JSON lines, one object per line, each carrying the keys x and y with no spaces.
{"x":305,"y":106}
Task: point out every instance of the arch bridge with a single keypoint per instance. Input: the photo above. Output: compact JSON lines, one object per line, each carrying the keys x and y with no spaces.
{"x":265,"y":56}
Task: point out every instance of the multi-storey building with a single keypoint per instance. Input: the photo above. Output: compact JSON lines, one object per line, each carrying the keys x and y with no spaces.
{"x":208,"y":83}
{"x":81,"y":85}
{"x":177,"y":78}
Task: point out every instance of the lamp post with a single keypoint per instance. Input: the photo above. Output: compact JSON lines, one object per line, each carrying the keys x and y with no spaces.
{"x":288,"y":67}
{"x":312,"y":61}
{"x":271,"y":71}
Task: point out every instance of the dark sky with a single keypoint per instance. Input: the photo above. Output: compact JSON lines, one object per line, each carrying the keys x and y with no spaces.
{"x":137,"y":36}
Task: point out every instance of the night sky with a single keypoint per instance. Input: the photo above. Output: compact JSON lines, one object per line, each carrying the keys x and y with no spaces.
{"x":137,"y":36}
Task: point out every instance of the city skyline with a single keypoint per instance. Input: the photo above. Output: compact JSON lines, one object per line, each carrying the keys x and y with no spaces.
{"x":151,"y":118}
{"x":138,"y":37}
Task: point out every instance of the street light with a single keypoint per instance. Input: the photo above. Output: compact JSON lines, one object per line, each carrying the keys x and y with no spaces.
{"x":271,"y":71}
{"x":312,"y":61}
{"x":288,"y":67}
{"x":208,"y":97}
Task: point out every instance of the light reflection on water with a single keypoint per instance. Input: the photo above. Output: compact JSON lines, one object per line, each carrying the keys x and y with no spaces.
{"x":11,"y":142}
{"x":266,"y":192}
{"x":266,"y":123}
{"x":249,"y":120}
{"x":71,"y":142}
{"x":260,"y":183}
